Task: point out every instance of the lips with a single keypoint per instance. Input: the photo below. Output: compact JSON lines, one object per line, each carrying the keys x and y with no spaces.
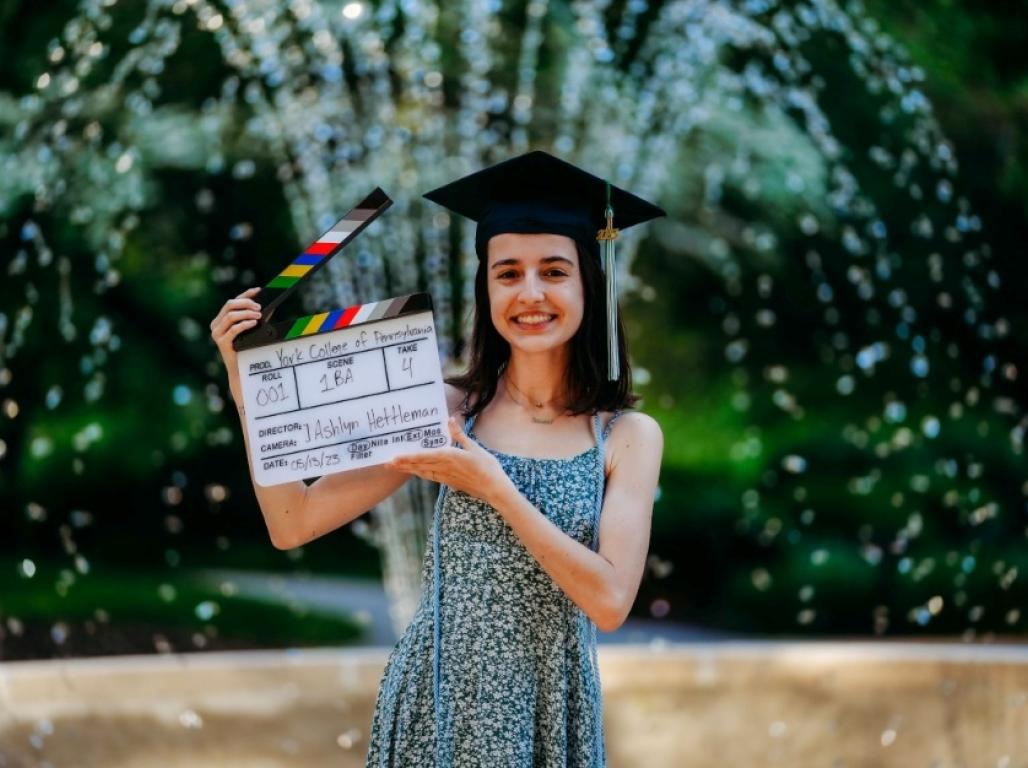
{"x":533,"y":318}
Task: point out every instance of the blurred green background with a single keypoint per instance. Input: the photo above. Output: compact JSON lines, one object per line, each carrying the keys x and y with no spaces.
{"x":854,"y":512}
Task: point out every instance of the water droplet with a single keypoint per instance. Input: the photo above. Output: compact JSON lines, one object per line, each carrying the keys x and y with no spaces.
{"x":895,"y":412}
{"x":162,"y":645}
{"x":659,"y":608}
{"x":59,"y":633}
{"x":845,"y":385}
{"x":761,"y":578}
{"x":41,"y":446}
{"x":349,"y":738}
{"x":241,"y":231}
{"x":207,"y":610}
{"x":794,"y":464}
{"x":215,"y":492}
{"x":80,"y":518}
{"x":244,"y":169}
{"x":189,"y":718}
{"x":919,"y":366}
{"x":172,"y":495}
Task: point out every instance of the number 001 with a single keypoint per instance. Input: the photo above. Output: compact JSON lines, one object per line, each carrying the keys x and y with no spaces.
{"x":272,"y":394}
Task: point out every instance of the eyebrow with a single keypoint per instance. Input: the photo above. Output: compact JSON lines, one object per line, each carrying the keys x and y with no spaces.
{"x":545,"y":260}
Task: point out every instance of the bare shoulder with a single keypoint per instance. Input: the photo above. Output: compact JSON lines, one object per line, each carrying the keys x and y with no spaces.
{"x":637,"y":427}
{"x":636,"y":439}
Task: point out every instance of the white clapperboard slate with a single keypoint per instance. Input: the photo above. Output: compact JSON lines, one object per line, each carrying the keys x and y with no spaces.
{"x":343,"y":389}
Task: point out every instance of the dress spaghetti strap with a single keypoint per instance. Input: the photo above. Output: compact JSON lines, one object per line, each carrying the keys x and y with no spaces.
{"x":606,"y":429}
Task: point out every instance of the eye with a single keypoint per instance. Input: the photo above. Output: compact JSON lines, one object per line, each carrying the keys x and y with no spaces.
{"x":505,"y":275}
{"x":557,"y":272}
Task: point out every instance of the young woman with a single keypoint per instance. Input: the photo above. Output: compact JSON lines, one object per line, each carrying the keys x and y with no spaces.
{"x":542,"y":522}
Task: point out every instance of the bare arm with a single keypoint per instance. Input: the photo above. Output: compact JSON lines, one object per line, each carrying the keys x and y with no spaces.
{"x":604,"y":584}
{"x":279,"y":503}
{"x":296,"y":513}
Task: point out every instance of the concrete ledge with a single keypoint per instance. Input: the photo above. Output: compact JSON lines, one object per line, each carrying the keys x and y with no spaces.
{"x":726,"y":703}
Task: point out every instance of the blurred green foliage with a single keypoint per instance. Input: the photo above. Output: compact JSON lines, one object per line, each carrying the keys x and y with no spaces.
{"x":165,"y":462}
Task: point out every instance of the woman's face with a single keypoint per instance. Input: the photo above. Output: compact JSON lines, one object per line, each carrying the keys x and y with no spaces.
{"x":536,"y":296}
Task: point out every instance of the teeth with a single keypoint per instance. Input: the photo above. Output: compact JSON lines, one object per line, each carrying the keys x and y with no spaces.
{"x":533,"y":318}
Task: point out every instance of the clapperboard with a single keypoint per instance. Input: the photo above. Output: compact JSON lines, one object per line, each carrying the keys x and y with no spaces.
{"x":343,"y":389}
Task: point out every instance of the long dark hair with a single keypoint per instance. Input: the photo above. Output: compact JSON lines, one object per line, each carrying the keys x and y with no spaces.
{"x":588,"y":387}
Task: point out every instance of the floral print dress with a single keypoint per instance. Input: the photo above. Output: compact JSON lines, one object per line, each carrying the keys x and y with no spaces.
{"x":498,"y":666}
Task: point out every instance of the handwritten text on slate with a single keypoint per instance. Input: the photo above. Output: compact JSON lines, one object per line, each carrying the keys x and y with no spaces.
{"x":344,"y":399}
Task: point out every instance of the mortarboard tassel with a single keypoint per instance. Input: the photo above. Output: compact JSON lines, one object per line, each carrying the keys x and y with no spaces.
{"x":606,"y":237}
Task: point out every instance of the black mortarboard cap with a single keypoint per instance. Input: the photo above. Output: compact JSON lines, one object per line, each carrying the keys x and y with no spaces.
{"x":537,"y":193}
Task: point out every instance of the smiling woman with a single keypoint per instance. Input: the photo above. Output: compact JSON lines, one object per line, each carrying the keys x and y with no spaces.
{"x":542,"y":522}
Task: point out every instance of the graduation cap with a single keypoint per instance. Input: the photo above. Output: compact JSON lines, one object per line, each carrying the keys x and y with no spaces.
{"x":538,"y":193}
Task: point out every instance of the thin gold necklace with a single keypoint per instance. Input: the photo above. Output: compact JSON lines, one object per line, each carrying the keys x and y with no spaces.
{"x":536,"y":419}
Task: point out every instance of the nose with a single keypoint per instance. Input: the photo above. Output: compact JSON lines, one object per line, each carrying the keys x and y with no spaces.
{"x":531,"y":289}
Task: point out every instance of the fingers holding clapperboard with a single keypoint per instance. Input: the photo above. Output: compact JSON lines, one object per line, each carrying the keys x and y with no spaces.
{"x":468,"y":468}
{"x":235,"y":316}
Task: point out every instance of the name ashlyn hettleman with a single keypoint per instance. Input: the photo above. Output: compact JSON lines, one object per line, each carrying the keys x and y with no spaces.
{"x":395,"y":415}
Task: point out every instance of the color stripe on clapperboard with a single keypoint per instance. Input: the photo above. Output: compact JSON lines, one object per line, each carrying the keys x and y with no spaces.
{"x":341,"y":318}
{"x":321,"y":248}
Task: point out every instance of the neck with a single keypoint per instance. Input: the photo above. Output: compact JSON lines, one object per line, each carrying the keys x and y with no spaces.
{"x":540,"y":378}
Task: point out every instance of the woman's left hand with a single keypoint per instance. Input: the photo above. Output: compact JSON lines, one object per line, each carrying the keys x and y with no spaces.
{"x":470,"y":468}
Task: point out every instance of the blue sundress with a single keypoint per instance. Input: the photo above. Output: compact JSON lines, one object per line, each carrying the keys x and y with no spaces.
{"x":498,"y":666}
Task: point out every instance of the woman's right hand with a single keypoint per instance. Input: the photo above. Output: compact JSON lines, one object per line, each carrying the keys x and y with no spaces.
{"x":236,"y":315}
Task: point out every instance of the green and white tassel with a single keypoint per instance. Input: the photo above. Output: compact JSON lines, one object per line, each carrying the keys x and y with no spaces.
{"x":606,"y":237}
